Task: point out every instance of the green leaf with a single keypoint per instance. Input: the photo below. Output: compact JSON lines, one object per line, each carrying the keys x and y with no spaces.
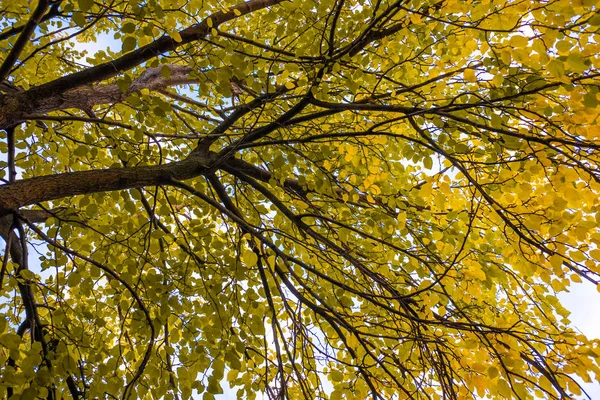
{"x":346,"y":301}
{"x":85,"y":5}
{"x":556,"y":68}
{"x":165,"y":71}
{"x":129,"y":43}
{"x":124,"y":83}
{"x":594,"y":20}
{"x":249,"y":258}
{"x":336,"y":376}
{"x":78,"y":18}
{"x":81,"y":151}
{"x":27,"y":274}
{"x":279,"y":162}
{"x":577,"y":62}
{"x":128,"y":28}
{"x":428,"y":162}
{"x":92,"y":210}
{"x":213,"y":386}
{"x":10,"y":341}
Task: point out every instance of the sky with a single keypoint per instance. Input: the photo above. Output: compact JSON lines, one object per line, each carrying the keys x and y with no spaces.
{"x":583,"y":300}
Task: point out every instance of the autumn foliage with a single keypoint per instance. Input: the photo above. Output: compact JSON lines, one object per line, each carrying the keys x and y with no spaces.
{"x":335,"y":199}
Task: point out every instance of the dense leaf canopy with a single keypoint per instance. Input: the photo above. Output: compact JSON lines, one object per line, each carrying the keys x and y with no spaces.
{"x":340,"y":199}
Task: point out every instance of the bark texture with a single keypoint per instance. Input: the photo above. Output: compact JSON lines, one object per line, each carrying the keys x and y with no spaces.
{"x":45,"y":188}
{"x":58,"y":93}
{"x":18,"y":106}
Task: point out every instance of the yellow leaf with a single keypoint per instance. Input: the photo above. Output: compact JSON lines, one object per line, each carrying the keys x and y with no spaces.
{"x":556,"y":68}
{"x":595,"y":254}
{"x":577,"y":256}
{"x":250,"y":258}
{"x":519,"y":41}
{"x":10,"y":341}
{"x":232,"y":374}
{"x":469,"y":75}
{"x":504,"y":389}
{"x":176,"y":36}
{"x":336,"y":376}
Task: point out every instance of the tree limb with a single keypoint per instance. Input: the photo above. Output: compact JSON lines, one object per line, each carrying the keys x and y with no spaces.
{"x":13,"y":108}
{"x":50,"y":187}
{"x":22,"y":40}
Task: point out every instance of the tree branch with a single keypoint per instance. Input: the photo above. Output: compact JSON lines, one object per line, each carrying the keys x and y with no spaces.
{"x":53,"y":12}
{"x":50,"y":187}
{"x":22,"y":40}
{"x":13,"y":108}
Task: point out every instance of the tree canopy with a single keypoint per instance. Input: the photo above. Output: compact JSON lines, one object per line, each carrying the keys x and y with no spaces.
{"x":338,"y":199}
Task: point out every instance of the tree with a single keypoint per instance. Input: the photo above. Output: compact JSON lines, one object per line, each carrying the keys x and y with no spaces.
{"x":386,"y":196}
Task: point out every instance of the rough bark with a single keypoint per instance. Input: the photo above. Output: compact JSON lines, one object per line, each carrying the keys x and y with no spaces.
{"x":17,"y":106}
{"x":50,"y":187}
{"x":23,"y":38}
{"x":49,"y":96}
